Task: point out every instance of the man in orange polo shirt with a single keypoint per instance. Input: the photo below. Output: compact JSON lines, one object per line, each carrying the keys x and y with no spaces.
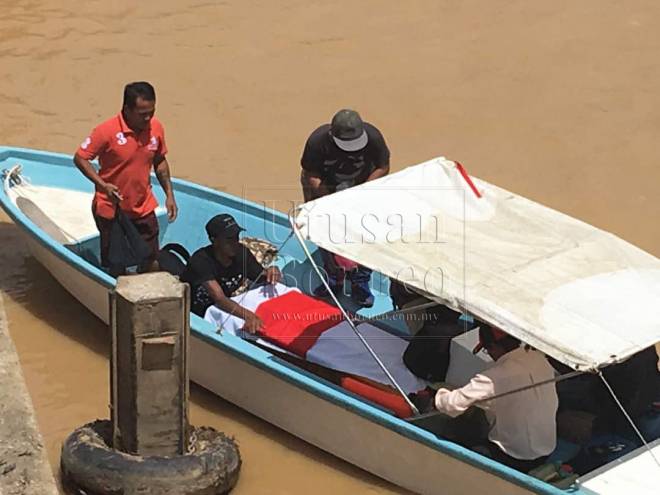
{"x":128,"y":145}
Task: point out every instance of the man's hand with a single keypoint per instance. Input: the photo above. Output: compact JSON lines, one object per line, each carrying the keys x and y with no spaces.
{"x":253,"y":323}
{"x":379,"y":172}
{"x":313,"y":186}
{"x":172,"y":208}
{"x":112,"y":192}
{"x":273,"y":275}
{"x":423,"y":400}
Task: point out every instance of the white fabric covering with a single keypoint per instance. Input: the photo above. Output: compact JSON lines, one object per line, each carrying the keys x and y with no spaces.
{"x":249,"y":300}
{"x":569,"y":289}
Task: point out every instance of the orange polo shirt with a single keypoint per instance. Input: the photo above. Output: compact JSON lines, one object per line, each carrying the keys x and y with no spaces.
{"x":126,"y":160}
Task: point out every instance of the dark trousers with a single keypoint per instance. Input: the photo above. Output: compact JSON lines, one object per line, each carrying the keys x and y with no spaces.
{"x":470,"y":430}
{"x":491,"y":450}
{"x":146,"y":226}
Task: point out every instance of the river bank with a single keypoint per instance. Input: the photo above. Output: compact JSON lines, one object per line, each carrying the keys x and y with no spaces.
{"x":24,"y":467}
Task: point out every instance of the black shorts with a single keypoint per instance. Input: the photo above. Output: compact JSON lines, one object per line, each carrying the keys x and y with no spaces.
{"x":146,"y":226}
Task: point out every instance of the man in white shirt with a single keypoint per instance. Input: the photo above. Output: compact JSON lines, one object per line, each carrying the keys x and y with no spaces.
{"x":522,"y":425}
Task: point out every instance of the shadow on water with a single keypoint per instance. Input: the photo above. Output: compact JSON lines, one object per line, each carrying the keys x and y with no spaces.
{"x":25,"y":282}
{"x":29,"y":284}
{"x":218,"y":406}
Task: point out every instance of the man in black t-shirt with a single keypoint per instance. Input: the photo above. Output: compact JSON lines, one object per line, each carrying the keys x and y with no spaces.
{"x":337,"y":156}
{"x":342,"y":154}
{"x":216,"y":271}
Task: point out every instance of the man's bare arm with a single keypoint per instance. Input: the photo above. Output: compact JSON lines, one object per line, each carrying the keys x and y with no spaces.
{"x":89,"y":171}
{"x":312,"y":185}
{"x":162,"y":169}
{"x":252,"y":322}
{"x":379,"y":172}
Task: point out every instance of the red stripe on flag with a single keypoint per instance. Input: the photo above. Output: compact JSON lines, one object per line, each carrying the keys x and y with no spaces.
{"x":467,"y":179}
{"x":295,"y":321}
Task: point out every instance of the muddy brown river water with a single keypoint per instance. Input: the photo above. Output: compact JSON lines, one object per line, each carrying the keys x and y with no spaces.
{"x":557,"y":101}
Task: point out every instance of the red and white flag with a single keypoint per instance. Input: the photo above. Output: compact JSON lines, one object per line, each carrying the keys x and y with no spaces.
{"x":315,"y":331}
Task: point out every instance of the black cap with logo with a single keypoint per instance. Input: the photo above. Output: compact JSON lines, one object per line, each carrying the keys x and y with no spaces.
{"x":223,"y":225}
{"x":347,"y":130}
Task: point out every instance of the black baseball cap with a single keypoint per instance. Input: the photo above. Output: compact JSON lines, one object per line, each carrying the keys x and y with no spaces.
{"x":223,"y":225}
{"x":347,"y":130}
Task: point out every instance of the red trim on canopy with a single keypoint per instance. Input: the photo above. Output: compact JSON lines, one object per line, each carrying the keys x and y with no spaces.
{"x":467,"y":179}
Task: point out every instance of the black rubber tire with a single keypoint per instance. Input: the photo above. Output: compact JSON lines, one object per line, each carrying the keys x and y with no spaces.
{"x":90,"y":466}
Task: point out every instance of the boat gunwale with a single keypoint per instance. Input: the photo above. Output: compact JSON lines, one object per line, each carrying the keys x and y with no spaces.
{"x":252,"y":354}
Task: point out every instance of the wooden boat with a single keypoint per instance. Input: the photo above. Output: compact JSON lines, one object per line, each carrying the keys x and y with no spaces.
{"x":50,"y":200}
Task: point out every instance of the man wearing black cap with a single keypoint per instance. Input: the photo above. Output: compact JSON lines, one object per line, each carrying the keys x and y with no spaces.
{"x":343,"y":154}
{"x":216,"y":271}
{"x":339,"y":155}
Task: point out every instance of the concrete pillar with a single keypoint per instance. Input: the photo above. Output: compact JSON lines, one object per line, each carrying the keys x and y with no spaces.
{"x":149,"y":320}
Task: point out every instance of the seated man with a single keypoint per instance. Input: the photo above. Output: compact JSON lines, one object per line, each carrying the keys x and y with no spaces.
{"x":216,"y":271}
{"x":522,"y":425}
{"x":588,"y":393}
{"x":433,"y":328}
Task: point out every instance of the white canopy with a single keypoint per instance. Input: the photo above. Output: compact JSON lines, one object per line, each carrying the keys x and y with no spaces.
{"x":575,"y":292}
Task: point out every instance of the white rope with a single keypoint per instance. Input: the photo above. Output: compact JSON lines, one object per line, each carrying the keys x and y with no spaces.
{"x":394,"y":312}
{"x":300,"y":239}
{"x":625,"y":413}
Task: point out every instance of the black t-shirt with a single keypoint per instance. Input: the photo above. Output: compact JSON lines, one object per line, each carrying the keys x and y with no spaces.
{"x":203,"y":267}
{"x":336,"y":167}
